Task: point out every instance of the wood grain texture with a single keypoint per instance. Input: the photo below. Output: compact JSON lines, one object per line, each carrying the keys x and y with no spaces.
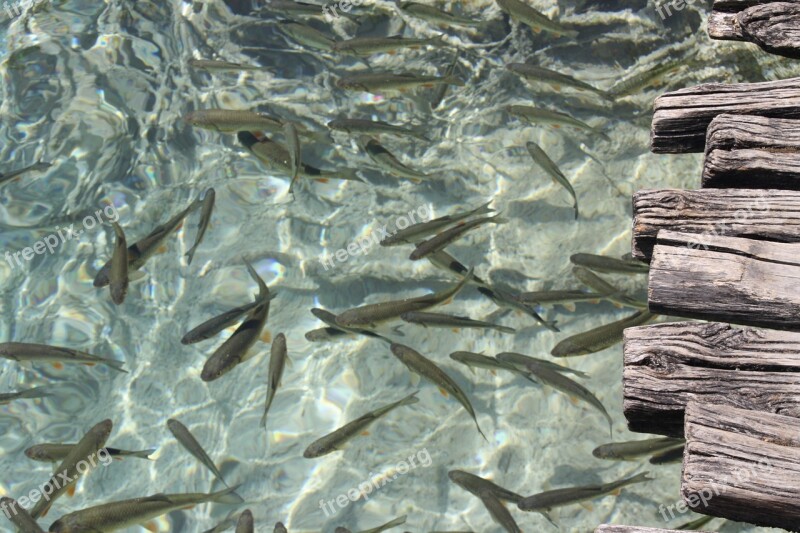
{"x":607,"y":528}
{"x":758,"y":214}
{"x":681,"y":118}
{"x":730,"y":279}
{"x":722,"y":21}
{"x":752,"y":169}
{"x":667,"y":364}
{"x":775,"y":27}
{"x":737,"y":132}
{"x":742,"y":464}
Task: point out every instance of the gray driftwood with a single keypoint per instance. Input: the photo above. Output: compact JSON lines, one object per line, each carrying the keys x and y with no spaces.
{"x":752,"y":152}
{"x":731,"y":279}
{"x":665,"y":364}
{"x":681,"y":117}
{"x":607,"y":528}
{"x":759,"y":214}
{"x":742,"y":465}
{"x":774,"y":26}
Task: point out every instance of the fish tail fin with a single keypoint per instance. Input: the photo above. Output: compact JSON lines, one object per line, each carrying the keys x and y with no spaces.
{"x":505,"y":329}
{"x":479,"y":429}
{"x":410,"y":399}
{"x":116,"y":365}
{"x":36,"y":392}
{"x":226,"y":496}
{"x":190,"y":255}
{"x":498,"y":219}
{"x":144,"y":454}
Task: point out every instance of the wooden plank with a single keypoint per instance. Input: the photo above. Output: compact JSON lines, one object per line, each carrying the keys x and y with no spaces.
{"x":608,"y":528}
{"x":681,"y":117}
{"x":736,"y":132}
{"x":775,"y":27}
{"x":666,"y":364}
{"x":767,"y":215}
{"x":730,"y":279}
{"x":742,"y":465}
{"x":752,"y":169}
{"x":723,"y":26}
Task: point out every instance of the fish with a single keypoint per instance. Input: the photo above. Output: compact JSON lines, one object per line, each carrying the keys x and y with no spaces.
{"x":611,"y":265}
{"x":388,"y":525}
{"x":188,"y":441}
{"x":295,"y":153}
{"x":499,"y":513}
{"x":595,"y":282}
{"x":330,"y":319}
{"x":448,"y":236}
{"x":543,"y":160}
{"x":23,"y":352}
{"x":277,"y":158}
{"x":438,"y":320}
{"x":229,"y":522}
{"x":424,"y":367}
{"x":18,"y":516}
{"x":307,"y":36}
{"x":505,"y":299}
{"x":372,"y":314}
{"x":388,"y":161}
{"x":367,"y":46}
{"x":566,"y":297}
{"x":335,"y":440}
{"x":441,"y":91}
{"x":538,"y":115}
{"x":520,"y":362}
{"x":539,"y":74}
{"x":636,"y":82}
{"x":672,"y":455}
{"x":131,"y":513}
{"x":279,"y":528}
{"x":374,"y":82}
{"x":205,"y":217}
{"x":118,"y":278}
{"x":52,"y":453}
{"x":478,"y":360}
{"x":291,"y":8}
{"x":554,"y":498}
{"x":36,"y":167}
{"x":213,"y":326}
{"x":84,"y":453}
{"x":25,"y":394}
{"x":277,"y":359}
{"x":433,"y":14}
{"x":325,"y":334}
{"x":232,"y":120}
{"x":633,"y":449}
{"x":234,"y":350}
{"x":143,"y":249}
{"x":414,"y":233}
{"x":373,"y":127}
{"x":522,"y":12}
{"x":561,"y":383}
{"x":217,"y":65}
{"x":245,"y":523}
{"x":599,"y":338}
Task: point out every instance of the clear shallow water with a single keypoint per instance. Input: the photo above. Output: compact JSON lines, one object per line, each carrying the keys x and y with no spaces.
{"x":98,"y":89}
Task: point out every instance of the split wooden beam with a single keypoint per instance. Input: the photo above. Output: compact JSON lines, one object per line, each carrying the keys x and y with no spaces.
{"x":665,"y":365}
{"x":607,"y":528}
{"x":742,"y":464}
{"x":752,"y":152}
{"x":774,"y":26}
{"x":757,"y":214}
{"x":681,"y":118}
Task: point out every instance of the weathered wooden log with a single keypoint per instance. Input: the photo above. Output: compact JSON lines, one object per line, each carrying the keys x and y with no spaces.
{"x":681,"y":117}
{"x":731,"y":279}
{"x":665,"y":364}
{"x":759,"y":214}
{"x":751,"y":152}
{"x":608,"y":528}
{"x":742,"y":465}
{"x":723,"y":23}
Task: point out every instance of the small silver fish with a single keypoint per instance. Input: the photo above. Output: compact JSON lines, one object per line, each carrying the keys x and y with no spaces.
{"x":416,"y":232}
{"x":205,"y":218}
{"x":538,"y":22}
{"x":331,"y":320}
{"x":373,"y":127}
{"x":374,"y":82}
{"x":425,"y":368}
{"x":18,"y":516}
{"x":633,"y":449}
{"x":25,"y":394}
{"x":445,"y":238}
{"x":611,"y":265}
{"x":538,"y":115}
{"x":543,"y":160}
{"x":245,"y":524}
{"x":373,"y":314}
{"x":36,"y":167}
{"x":335,"y":440}
{"x":539,"y":74}
{"x":188,"y":441}
{"x":554,"y":498}
{"x":43,"y":353}
{"x":217,"y":65}
{"x":521,"y":361}
{"x":438,"y":320}
{"x":367,"y":46}
{"x":232,"y":120}
{"x":307,"y":36}
{"x":599,"y":338}
{"x":84,"y":452}
{"x":118,"y":279}
{"x":277,"y":360}
{"x":595,"y":282}
{"x":388,"y":161}
{"x":53,"y":453}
